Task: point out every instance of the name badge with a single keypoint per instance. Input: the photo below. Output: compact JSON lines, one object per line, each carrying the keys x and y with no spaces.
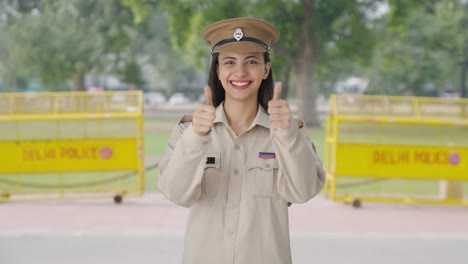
{"x":267,"y":155}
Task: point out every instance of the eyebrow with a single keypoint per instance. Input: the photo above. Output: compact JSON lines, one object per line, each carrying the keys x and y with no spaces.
{"x":234,"y":58}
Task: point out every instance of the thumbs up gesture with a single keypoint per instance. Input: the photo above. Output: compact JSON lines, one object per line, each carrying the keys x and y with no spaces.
{"x":280,"y":115}
{"x":204,"y":114}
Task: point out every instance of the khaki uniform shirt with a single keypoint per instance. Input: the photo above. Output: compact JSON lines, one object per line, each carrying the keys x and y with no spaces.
{"x":237,"y":190}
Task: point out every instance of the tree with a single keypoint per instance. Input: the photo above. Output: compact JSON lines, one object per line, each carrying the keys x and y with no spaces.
{"x":422,"y":59}
{"x":169,"y":71}
{"x":313,"y":32}
{"x":62,"y":40}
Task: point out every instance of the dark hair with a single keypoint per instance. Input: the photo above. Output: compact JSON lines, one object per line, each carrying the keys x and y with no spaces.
{"x":265,"y":92}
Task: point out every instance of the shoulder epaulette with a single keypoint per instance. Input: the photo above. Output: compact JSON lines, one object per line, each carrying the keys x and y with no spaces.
{"x":300,"y":123}
{"x":186,"y":119}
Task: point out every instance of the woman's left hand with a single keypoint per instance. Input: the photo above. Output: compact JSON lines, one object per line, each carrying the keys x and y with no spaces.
{"x":278,"y":109}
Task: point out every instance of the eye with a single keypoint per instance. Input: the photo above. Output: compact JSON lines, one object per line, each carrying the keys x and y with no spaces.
{"x":228,"y":62}
{"x":252,"y":62}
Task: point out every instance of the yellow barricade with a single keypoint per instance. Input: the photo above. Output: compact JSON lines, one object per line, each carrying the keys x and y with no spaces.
{"x":397,"y":149}
{"x":69,"y":145}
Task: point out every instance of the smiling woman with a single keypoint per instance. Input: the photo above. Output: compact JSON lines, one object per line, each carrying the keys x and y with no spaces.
{"x":241,"y":75}
{"x":245,"y":160}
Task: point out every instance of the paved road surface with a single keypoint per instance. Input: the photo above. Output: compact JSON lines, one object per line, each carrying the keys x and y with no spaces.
{"x":149,"y":229}
{"x":114,"y":248}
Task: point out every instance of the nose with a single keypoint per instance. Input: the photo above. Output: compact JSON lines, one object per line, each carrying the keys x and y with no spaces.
{"x":241,"y":69}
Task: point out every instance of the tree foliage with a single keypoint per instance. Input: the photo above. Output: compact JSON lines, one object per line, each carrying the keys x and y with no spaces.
{"x":65,"y":39}
{"x":313,"y":33}
{"x":413,"y":46}
{"x":424,"y":58}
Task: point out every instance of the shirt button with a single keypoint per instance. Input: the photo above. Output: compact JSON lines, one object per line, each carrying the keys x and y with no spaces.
{"x":268,"y":165}
{"x":236,"y":172}
{"x":237,"y":147}
{"x":232,"y":205}
{"x":229,"y":233}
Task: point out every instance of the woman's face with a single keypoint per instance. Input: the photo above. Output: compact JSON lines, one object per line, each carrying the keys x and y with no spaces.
{"x":241,"y":74}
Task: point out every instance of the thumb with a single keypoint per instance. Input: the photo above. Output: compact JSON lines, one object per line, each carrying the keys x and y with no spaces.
{"x":277,"y":91}
{"x":208,"y":96}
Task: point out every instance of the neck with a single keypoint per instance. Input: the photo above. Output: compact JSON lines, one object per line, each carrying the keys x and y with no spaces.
{"x":240,"y":115}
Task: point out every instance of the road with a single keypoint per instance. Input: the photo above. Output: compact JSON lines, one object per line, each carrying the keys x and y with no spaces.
{"x":149,"y":229}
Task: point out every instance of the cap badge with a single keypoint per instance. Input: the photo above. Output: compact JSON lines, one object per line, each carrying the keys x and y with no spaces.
{"x":238,"y":34}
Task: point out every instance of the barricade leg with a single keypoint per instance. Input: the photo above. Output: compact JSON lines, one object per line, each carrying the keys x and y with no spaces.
{"x":451,"y":190}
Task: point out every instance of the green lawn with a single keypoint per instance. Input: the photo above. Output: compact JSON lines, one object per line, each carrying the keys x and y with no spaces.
{"x":397,"y":187}
{"x":397,"y":134}
{"x":157,"y":131}
{"x":402,"y":134}
{"x":156,"y":134}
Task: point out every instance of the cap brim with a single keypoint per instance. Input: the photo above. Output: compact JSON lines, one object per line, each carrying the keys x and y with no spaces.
{"x":241,"y":46}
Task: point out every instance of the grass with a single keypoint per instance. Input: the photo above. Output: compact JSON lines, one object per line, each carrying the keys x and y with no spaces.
{"x":402,"y":134}
{"x":157,"y":132}
{"x":396,"y":187}
{"x":156,"y":135}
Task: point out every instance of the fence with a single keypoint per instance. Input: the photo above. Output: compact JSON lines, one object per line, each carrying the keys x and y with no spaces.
{"x":69,"y":145}
{"x":397,"y":149}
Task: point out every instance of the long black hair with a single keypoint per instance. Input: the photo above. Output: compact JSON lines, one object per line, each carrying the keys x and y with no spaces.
{"x":265,"y":92}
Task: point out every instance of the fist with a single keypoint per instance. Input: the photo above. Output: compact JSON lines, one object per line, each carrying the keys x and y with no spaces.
{"x":278,"y":109}
{"x":204,"y":115}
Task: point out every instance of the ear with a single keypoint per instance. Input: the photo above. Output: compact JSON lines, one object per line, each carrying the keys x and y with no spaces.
{"x":267,"y":70}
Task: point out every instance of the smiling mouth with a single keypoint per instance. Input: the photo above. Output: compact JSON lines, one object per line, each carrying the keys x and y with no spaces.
{"x":240,"y":85}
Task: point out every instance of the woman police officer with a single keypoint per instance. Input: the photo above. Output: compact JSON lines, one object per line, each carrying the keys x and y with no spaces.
{"x":240,"y":159}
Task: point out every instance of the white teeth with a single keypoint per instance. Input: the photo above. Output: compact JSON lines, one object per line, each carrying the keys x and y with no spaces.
{"x":240,"y":83}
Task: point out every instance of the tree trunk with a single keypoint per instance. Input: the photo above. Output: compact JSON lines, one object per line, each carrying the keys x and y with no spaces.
{"x":307,"y":58}
{"x":78,"y":83}
{"x":463,"y":92}
{"x":15,"y":85}
{"x":286,"y":76}
{"x":306,"y":95}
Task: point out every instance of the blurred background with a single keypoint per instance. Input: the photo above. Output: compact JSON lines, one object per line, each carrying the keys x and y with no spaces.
{"x":109,"y":50}
{"x":387,"y":47}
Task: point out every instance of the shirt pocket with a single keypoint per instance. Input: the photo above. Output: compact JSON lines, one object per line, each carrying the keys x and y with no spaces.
{"x":261,"y":177}
{"x":210,"y":181}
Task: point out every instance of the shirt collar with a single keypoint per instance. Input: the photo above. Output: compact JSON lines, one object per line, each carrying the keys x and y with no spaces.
{"x":262,"y":118}
{"x":220,"y":116}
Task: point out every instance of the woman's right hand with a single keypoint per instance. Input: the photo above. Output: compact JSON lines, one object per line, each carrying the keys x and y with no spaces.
{"x":204,"y":115}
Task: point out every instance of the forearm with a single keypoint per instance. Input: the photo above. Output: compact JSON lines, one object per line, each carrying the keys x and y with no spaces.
{"x":300,"y":175}
{"x":182,"y":166}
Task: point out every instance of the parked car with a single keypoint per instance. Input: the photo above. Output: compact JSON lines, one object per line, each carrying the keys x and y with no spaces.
{"x":154,"y":98}
{"x":179,"y":98}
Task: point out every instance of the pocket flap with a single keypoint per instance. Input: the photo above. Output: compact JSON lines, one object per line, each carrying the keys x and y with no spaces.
{"x":265,"y":164}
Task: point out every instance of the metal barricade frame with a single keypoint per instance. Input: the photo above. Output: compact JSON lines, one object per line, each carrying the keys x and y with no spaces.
{"x":69,"y":145}
{"x":381,"y":139}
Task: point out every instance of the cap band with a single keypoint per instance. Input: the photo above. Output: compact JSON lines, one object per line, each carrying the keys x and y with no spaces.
{"x":229,"y":40}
